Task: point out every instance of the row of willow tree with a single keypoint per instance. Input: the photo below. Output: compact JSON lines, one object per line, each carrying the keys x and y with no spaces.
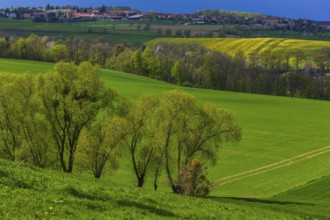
{"x":289,"y":73}
{"x":68,"y":118}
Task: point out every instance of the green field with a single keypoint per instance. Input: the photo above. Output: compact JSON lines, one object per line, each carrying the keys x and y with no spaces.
{"x":285,"y":140}
{"x":252,"y":45}
{"x":107,"y":31}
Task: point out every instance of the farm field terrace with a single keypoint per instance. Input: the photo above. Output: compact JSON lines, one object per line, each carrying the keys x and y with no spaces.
{"x":274,"y":130}
{"x":252,"y":45}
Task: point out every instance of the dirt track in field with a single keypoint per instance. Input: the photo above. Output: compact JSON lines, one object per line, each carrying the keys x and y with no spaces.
{"x":270,"y":167}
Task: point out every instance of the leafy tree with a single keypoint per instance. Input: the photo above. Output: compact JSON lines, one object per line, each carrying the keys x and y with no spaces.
{"x":159,"y":31}
{"x":99,"y":52}
{"x":102,"y":9}
{"x":322,"y":58}
{"x":3,"y":47}
{"x":37,"y":142}
{"x":35,"y":46}
{"x":18,"y":48}
{"x":10,"y":128}
{"x":99,"y":144}
{"x":299,"y":56}
{"x":59,"y":52}
{"x":121,"y":61}
{"x":179,"y":72}
{"x":192,"y":131}
{"x":168,"y":32}
{"x":72,"y":97}
{"x":187,"y":33}
{"x":136,"y":61}
{"x":142,"y":138}
{"x":178,"y":33}
{"x":175,"y":110}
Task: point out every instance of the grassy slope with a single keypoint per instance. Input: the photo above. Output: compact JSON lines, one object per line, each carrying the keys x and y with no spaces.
{"x":44,"y":194}
{"x":274,"y":129}
{"x":311,"y":199}
{"x":251,"y":45}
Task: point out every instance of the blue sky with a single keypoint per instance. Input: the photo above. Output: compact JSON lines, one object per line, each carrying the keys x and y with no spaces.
{"x":311,"y":9}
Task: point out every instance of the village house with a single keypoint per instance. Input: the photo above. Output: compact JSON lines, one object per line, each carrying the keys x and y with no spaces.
{"x":271,"y":21}
{"x":12,"y":15}
{"x":325,"y":26}
{"x":135,"y":17}
{"x":27,"y":15}
{"x":83,"y":16}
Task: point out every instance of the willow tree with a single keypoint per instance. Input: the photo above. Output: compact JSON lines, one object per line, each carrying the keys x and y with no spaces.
{"x":35,"y":132}
{"x":72,"y":97}
{"x":191,"y":131}
{"x":142,"y":140}
{"x":100,"y":144}
{"x":10,"y":127}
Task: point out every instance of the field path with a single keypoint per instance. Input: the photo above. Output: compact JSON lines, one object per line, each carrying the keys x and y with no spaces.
{"x":270,"y":167}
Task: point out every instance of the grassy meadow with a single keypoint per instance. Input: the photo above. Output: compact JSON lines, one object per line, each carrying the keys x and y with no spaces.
{"x":33,"y":193}
{"x":253,"y":45}
{"x":280,"y":165}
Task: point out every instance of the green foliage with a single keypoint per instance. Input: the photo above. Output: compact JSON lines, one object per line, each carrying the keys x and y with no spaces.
{"x":59,"y":52}
{"x":193,"y":180}
{"x":190,"y":131}
{"x":142,"y":140}
{"x":10,"y":118}
{"x":99,"y":144}
{"x":72,"y":97}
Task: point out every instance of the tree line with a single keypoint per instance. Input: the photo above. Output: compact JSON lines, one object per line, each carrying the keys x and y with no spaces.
{"x":286,"y":73}
{"x":69,"y":118}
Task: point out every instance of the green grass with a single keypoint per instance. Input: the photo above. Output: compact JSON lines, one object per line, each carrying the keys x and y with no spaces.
{"x":274,"y":129}
{"x":31,"y":193}
{"x":311,"y":199}
{"x":252,"y":45}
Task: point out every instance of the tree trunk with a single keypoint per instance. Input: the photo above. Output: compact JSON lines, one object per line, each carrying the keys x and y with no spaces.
{"x":141,"y":180}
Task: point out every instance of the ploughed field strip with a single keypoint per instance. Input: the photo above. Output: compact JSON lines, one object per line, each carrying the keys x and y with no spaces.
{"x":270,"y":167}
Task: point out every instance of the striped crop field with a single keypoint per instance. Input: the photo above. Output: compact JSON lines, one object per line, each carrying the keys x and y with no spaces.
{"x":251,"y":45}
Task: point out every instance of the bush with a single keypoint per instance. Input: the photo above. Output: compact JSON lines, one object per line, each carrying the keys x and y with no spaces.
{"x":193,"y":181}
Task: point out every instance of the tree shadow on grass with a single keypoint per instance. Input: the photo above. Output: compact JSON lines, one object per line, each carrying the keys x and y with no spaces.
{"x":264,"y":201}
{"x":78,"y":193}
{"x":148,"y":208}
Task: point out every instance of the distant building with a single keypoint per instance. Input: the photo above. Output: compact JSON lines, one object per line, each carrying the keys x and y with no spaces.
{"x":83,"y":16}
{"x":12,"y":15}
{"x":135,"y":17}
{"x":27,"y":15}
{"x":271,"y":21}
{"x":325,"y":26}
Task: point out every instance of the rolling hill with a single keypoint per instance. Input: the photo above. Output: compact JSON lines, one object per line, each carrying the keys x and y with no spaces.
{"x":275,"y":130}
